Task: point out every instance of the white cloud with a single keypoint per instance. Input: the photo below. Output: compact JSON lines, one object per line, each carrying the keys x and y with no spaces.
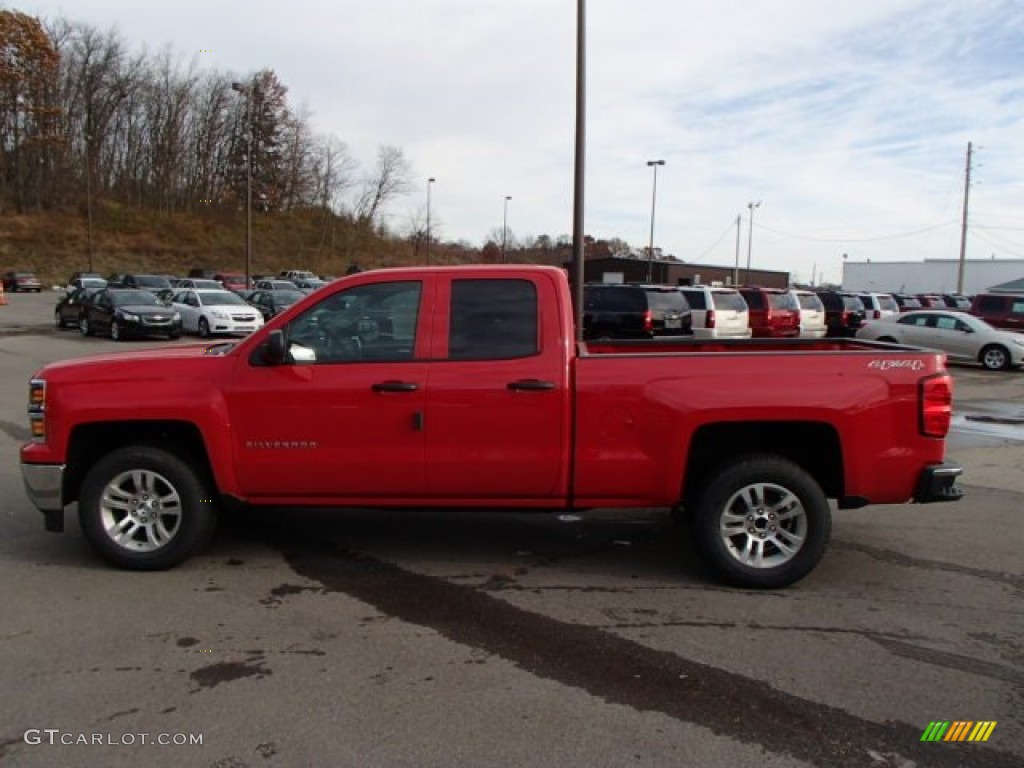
{"x":850,"y":120}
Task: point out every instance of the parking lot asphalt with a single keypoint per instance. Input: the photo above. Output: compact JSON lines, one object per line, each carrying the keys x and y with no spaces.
{"x":383,"y":638}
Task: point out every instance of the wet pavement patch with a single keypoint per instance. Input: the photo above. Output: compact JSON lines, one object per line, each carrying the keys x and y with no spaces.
{"x":615,"y":668}
{"x":228,"y":671}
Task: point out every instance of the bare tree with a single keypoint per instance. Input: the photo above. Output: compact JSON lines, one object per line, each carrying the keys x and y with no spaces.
{"x":389,"y":180}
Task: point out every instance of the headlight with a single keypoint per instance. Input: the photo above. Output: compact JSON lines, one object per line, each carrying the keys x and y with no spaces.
{"x":1018,"y":341}
{"x":129,"y":316}
{"x":219,"y":314}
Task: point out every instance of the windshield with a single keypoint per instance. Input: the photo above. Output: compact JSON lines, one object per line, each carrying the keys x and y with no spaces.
{"x":782,"y":301}
{"x":214,"y":298}
{"x":126,"y":298}
{"x":729,"y":300}
{"x":809,"y":301}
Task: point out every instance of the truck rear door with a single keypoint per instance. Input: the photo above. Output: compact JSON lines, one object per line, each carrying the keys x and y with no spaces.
{"x":498,"y":391}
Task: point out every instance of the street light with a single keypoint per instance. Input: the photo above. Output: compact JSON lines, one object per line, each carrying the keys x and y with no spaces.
{"x":430,"y":183}
{"x":654,"y":196}
{"x":247,"y":91}
{"x":504,"y":229}
{"x":750,"y":238}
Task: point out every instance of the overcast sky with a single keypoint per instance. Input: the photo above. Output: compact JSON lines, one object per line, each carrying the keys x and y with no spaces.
{"x":849,"y":120}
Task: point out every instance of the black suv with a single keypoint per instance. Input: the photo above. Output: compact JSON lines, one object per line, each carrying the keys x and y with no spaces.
{"x":844,"y":313}
{"x":613,"y":311}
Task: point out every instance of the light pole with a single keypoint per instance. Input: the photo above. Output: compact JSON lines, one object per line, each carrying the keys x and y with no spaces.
{"x":504,"y":229}
{"x":430,"y":183}
{"x":654,"y":196}
{"x":750,"y":238}
{"x":246,"y":90}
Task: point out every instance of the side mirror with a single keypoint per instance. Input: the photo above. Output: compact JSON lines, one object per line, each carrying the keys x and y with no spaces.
{"x":274,"y":350}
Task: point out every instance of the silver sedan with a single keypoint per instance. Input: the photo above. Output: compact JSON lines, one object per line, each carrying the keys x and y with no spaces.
{"x":961,"y":336}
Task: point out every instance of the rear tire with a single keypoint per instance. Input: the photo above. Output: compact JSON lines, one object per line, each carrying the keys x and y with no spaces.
{"x":762,"y":522}
{"x":144,"y":509}
{"x":995,"y":358}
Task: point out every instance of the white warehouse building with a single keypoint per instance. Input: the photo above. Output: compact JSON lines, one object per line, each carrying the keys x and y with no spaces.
{"x":930,"y":275}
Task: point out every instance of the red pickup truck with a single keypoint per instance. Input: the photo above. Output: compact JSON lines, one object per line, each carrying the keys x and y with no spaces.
{"x":464,"y":387}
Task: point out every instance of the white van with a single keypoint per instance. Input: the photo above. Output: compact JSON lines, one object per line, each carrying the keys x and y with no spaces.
{"x":718,"y":313}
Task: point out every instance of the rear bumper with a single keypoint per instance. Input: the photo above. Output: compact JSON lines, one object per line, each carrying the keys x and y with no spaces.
{"x":938,"y":483}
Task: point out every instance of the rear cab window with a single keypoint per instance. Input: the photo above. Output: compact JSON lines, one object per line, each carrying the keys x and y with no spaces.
{"x":493,"y":320}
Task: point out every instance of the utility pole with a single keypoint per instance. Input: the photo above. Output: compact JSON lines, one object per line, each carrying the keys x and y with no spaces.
{"x":750,"y":238}
{"x":736,"y":269}
{"x":963,"y":222}
{"x":579,"y":164}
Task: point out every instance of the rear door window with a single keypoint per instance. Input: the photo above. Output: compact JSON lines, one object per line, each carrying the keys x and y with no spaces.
{"x":493,"y":320}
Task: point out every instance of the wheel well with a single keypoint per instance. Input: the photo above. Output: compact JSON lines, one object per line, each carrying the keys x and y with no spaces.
{"x":91,"y":442}
{"x":812,"y":445}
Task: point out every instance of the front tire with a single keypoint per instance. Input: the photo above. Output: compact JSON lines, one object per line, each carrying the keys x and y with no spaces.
{"x":58,"y":319}
{"x":995,"y":358}
{"x":204,"y":328}
{"x":84,"y":327}
{"x":762,"y":522}
{"x":115,"y":331}
{"x":144,"y":509}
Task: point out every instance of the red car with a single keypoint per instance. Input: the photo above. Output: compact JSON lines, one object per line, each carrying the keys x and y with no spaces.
{"x":16,"y":281}
{"x":773,"y":312}
{"x":233,"y":281}
{"x":464,"y":387}
{"x":1003,"y":310}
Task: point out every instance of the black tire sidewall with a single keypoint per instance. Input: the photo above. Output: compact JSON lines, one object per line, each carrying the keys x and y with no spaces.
{"x":198,"y":520}
{"x":203,"y":334}
{"x":706,"y":518}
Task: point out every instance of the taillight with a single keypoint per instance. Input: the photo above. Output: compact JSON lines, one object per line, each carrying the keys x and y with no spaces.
{"x":709,"y":322}
{"x":648,"y":322}
{"x":845,"y":318}
{"x":37,"y":409}
{"x":936,"y":405}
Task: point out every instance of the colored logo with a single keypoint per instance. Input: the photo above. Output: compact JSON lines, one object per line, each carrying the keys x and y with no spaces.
{"x":958,"y":730}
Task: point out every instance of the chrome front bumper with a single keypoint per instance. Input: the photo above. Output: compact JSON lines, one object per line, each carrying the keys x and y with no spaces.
{"x":44,"y":484}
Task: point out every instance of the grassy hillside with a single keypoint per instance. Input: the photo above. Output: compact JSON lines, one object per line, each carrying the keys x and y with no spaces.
{"x":125,"y":240}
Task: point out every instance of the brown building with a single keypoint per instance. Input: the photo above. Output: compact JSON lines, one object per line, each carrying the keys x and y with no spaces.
{"x":665,"y":272}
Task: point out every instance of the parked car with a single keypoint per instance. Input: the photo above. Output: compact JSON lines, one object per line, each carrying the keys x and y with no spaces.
{"x":208,"y":312}
{"x":68,"y":312}
{"x":956,"y":301}
{"x":17,"y":281}
{"x":844,"y":313}
{"x":774,"y":313}
{"x":310,"y":285}
{"x":296,"y":274}
{"x":717,"y":313}
{"x":612,"y":311}
{"x":1003,"y":310}
{"x":931,"y":301}
{"x":151,"y":283}
{"x":960,"y":335}
{"x":878,"y":305}
{"x":124,"y":312}
{"x":232,"y":281}
{"x":906,"y":302}
{"x":199,"y":283}
{"x":271,"y":303}
{"x":82,"y":282}
{"x":812,"y":314}
{"x":275,"y":284}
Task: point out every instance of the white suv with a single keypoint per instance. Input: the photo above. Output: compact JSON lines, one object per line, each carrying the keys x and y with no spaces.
{"x":812,"y":315}
{"x":878,"y":305}
{"x":718,"y":313}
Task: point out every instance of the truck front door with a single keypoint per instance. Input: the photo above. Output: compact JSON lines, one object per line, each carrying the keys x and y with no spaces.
{"x":343,"y":417}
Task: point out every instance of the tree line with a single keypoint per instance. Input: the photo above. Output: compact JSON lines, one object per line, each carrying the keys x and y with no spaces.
{"x":83,"y":118}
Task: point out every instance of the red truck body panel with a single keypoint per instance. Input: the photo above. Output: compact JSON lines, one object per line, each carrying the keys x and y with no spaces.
{"x":613,"y":429}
